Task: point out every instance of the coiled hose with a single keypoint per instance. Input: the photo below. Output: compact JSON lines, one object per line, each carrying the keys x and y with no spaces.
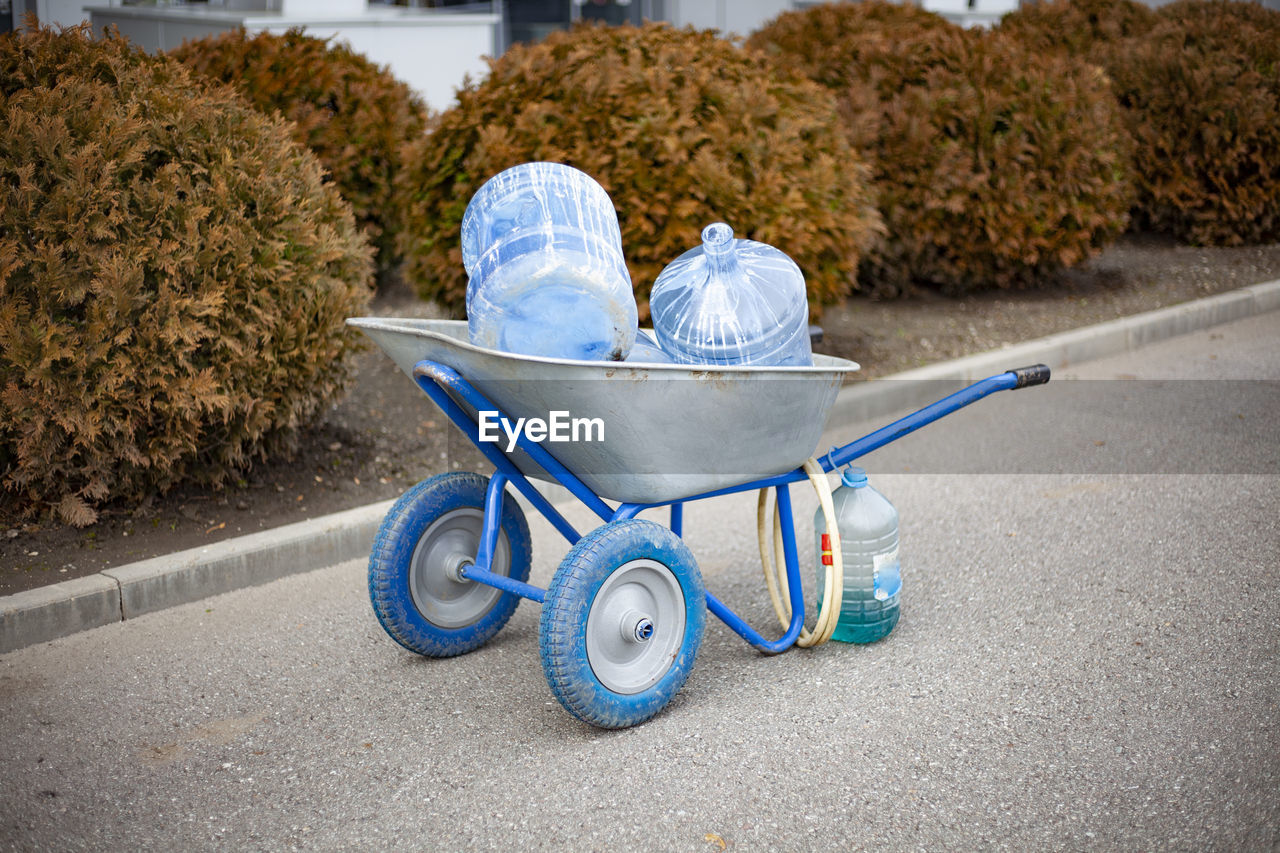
{"x":775,"y":576}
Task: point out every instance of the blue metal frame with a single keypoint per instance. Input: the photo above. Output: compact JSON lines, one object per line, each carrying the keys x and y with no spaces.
{"x":481,"y":570}
{"x":442,"y":383}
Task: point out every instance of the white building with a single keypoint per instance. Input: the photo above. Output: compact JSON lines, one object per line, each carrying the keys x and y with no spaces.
{"x":433,"y":49}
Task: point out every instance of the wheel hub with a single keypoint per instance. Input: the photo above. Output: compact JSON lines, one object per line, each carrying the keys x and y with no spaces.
{"x":635,"y":626}
{"x":440,"y":590}
{"x":455,"y":564}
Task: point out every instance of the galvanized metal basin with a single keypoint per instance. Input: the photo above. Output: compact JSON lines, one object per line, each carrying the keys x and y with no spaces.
{"x":666,"y":432}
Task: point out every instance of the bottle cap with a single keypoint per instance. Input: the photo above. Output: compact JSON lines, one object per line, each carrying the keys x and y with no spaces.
{"x":854,"y":477}
{"x":717,"y":238}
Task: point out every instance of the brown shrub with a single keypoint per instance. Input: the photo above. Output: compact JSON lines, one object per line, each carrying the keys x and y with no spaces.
{"x":827,"y":43}
{"x":681,"y":128}
{"x":1089,"y":29}
{"x":994,"y":165}
{"x":174,"y":277}
{"x":1201,"y":94}
{"x":354,"y":115}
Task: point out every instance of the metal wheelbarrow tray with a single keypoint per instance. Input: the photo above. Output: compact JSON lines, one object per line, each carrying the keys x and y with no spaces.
{"x":623,"y":617}
{"x":669,"y":431}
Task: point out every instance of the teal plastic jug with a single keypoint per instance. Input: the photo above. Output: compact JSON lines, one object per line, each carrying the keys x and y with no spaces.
{"x":868,"y":526}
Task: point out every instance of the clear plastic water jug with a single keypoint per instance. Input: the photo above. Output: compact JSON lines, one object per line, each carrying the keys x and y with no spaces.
{"x":542,"y":247}
{"x":732,"y":302}
{"x":868,"y":526}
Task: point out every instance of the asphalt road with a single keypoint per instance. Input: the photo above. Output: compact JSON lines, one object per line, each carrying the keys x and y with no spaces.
{"x":1088,"y":658}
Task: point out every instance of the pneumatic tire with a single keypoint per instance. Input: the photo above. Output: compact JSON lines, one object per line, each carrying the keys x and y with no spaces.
{"x":432,"y":527}
{"x":622,"y":623}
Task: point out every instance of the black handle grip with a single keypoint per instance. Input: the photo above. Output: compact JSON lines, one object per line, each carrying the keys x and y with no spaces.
{"x":1036,"y":374}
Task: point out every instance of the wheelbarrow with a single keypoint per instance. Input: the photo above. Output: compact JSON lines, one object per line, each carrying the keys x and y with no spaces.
{"x":624,"y":614}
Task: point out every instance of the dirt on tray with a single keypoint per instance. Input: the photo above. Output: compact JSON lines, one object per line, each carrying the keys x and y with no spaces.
{"x":384,"y":435}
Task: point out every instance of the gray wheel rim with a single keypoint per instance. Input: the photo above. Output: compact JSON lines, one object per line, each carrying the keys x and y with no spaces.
{"x":635,"y":626}
{"x":451,"y":540}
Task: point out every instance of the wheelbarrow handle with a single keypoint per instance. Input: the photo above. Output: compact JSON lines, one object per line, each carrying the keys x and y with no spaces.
{"x":1023,"y":377}
{"x":1036,"y":374}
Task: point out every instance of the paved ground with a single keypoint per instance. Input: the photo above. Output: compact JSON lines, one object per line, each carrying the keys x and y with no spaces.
{"x":1085,"y":659}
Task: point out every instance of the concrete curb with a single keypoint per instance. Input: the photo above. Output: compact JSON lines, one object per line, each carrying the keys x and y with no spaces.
{"x":45,"y":614}
{"x":40,"y":615}
{"x":919,"y":387}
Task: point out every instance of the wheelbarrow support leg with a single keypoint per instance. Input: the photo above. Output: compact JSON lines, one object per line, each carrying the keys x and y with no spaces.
{"x":795,"y":590}
{"x":492,"y":521}
{"x":479,"y":571}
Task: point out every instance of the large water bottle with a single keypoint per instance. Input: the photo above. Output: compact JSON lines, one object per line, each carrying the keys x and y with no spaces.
{"x":647,"y":351}
{"x":868,"y":526}
{"x":732,"y":302}
{"x":542,"y":246}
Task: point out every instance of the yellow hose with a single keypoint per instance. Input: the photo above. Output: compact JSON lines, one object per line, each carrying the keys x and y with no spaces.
{"x":775,"y":576}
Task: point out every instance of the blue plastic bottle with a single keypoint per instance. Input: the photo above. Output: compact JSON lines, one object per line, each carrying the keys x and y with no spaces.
{"x":868,"y":526}
{"x":542,"y":247}
{"x":732,"y":302}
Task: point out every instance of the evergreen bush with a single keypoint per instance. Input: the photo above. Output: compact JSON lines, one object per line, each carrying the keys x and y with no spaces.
{"x":682,"y":128}
{"x":355,"y":115}
{"x":994,"y":165}
{"x":1090,"y":29}
{"x":1201,"y":94}
{"x":174,"y":276}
